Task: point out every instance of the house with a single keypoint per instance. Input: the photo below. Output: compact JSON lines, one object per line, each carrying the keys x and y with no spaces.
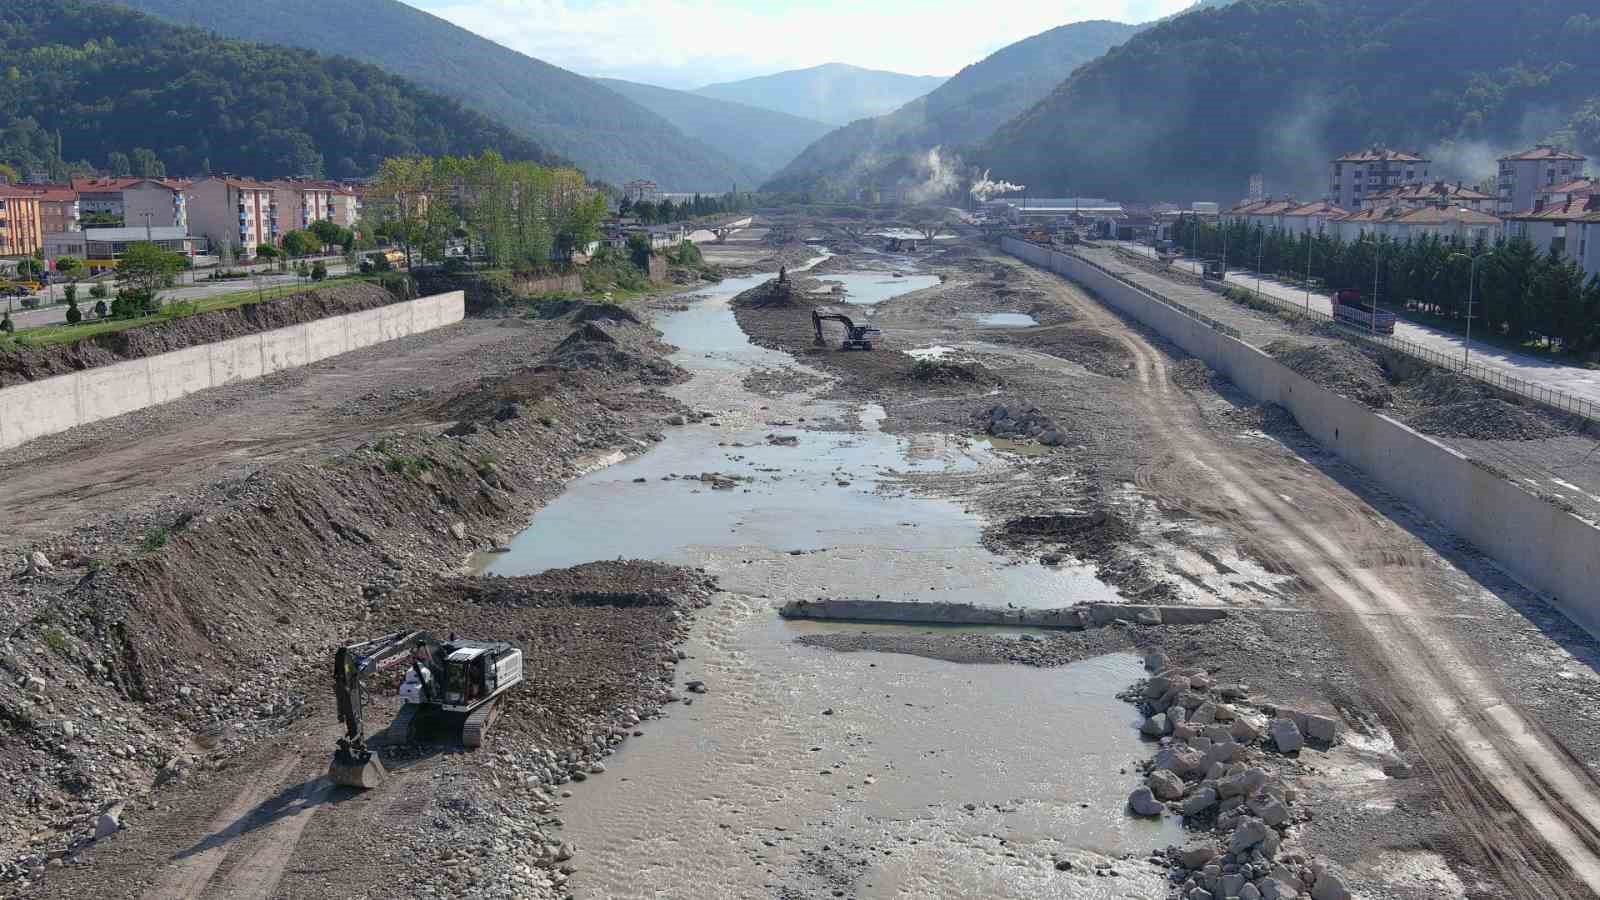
{"x":1312,"y":218}
{"x":58,"y":207}
{"x":1523,"y":174}
{"x":304,"y":202}
{"x":1402,"y":224}
{"x":21,"y":233}
{"x":641,"y":191}
{"x":1268,"y":214}
{"x":1567,"y":190}
{"x":100,"y":248}
{"x":1571,"y":228}
{"x":1356,"y":176}
{"x":237,"y":212}
{"x":1439,"y":194}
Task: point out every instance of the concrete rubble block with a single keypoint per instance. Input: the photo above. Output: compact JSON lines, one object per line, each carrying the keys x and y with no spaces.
{"x":1201,"y":681}
{"x":1244,"y":784}
{"x":1285,"y":735}
{"x":1249,"y":892}
{"x":1157,"y":686}
{"x":1185,"y":731}
{"x":1329,"y":887}
{"x":38,"y":563}
{"x":1201,"y":800}
{"x":1191,"y":699}
{"x":1166,"y":785}
{"x":1155,"y":726}
{"x":1322,"y":728}
{"x":1201,"y":744}
{"x":1196,"y":857}
{"x":1143,"y":802}
{"x":1248,"y":834}
{"x":1232,"y":883}
{"x":1273,"y":889}
{"x":1177,"y":714}
{"x":1225,"y":752}
{"x":1216,"y":772}
{"x":1271,"y":810}
{"x":1225,"y":713}
{"x":109,"y":821}
{"x":1200,"y":893}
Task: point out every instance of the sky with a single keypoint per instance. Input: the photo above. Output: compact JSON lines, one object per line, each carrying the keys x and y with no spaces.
{"x":690,"y":43}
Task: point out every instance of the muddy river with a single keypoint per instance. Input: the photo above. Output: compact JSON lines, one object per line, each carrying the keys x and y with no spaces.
{"x":805,"y":771}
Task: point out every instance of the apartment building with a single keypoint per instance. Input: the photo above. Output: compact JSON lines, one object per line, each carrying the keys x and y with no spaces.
{"x":641,"y":191}
{"x":156,"y":203}
{"x":304,"y":202}
{"x":344,"y":206}
{"x":1402,"y":224}
{"x":238,"y":212}
{"x":1437,"y":194}
{"x":58,"y":208}
{"x":21,"y":233}
{"x":1561,"y":193}
{"x":1523,"y":175}
{"x":1570,"y":228}
{"x":1355,"y":176}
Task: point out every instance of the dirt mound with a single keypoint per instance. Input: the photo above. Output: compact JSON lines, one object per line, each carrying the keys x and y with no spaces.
{"x":770,"y":293}
{"x":1489,"y":419}
{"x":1436,"y":387}
{"x":605,"y":312}
{"x":608,"y":349}
{"x":1191,"y":375}
{"x":1096,"y":351}
{"x":1340,"y":368}
{"x":939,"y":371}
{"x":164,"y":335}
{"x":1085,"y":535}
{"x":1029,"y":424}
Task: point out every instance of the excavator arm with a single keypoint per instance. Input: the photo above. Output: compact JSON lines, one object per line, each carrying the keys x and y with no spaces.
{"x":353,"y":764}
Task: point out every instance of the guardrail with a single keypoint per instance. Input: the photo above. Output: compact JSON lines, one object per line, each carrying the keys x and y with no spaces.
{"x":1548,"y":397}
{"x":1189,"y":311}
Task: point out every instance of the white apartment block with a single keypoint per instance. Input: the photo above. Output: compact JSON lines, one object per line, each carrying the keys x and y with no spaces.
{"x":304,"y":202}
{"x":1571,"y":228}
{"x":1523,"y":175}
{"x":239,"y":212}
{"x":1356,"y":176}
{"x":157,"y":204}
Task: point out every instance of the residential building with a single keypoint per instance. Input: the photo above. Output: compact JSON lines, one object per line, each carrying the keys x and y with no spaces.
{"x":1522,"y":175}
{"x":641,"y":190}
{"x":1312,"y":218}
{"x":1402,"y":224}
{"x":238,"y":212}
{"x":1268,"y":214}
{"x":101,"y":196}
{"x":58,"y":208}
{"x":1571,"y":228}
{"x":1440,"y":194}
{"x":21,"y":233}
{"x":1355,"y":176}
{"x":100,"y":248}
{"x":1561,"y":193}
{"x":344,"y":206}
{"x":157,"y":203}
{"x":304,"y":202}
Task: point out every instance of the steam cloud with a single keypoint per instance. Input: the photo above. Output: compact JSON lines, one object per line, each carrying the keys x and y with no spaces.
{"x":941,"y":179}
{"x":983,"y":188}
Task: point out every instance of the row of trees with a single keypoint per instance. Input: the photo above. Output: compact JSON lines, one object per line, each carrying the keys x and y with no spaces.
{"x":517,"y":215}
{"x":1520,"y":293}
{"x":665,"y":211}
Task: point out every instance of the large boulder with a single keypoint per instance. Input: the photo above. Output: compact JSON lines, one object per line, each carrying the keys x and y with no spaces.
{"x":1201,"y":800}
{"x":1285,"y":735}
{"x":1250,"y":832}
{"x":1329,"y":887}
{"x":1144,"y":803}
{"x":1155,"y":726}
{"x":1322,"y":728}
{"x":1165,"y":785}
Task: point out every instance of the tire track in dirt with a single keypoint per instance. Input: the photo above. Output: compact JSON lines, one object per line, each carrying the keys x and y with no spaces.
{"x":1489,"y":759}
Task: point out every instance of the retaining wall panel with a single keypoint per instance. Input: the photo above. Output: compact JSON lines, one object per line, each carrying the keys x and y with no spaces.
{"x":233,"y":360}
{"x":326,"y":337}
{"x":177,"y":374}
{"x":284,"y":348}
{"x":394,"y":321}
{"x":362,"y":329}
{"x":113,"y":390}
{"x":38,"y":408}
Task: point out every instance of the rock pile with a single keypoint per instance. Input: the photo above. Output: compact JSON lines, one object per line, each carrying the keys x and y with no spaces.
{"x":1344,"y":369}
{"x":1489,"y":419}
{"x":1212,"y":770}
{"x":1030,"y":424}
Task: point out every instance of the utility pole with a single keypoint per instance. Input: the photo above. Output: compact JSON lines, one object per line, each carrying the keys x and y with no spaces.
{"x":1261,"y":254}
{"x":1377,"y":256}
{"x":1309,"y":242}
{"x":147,"y":237}
{"x":1472,"y":283}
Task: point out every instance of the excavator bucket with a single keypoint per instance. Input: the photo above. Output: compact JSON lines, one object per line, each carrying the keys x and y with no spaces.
{"x":360,"y":771}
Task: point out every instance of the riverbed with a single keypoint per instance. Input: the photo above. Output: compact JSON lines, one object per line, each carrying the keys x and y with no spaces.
{"x":804,"y":770}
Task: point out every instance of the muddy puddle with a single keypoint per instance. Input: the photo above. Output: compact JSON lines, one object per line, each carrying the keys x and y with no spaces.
{"x":804,"y":771}
{"x":872,"y":288}
{"x":1007,"y":320}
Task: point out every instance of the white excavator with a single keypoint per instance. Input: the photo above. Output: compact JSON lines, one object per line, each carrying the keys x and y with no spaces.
{"x":458,"y":681}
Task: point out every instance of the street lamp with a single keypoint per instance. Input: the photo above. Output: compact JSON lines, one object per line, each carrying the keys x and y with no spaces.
{"x":1377,"y":261}
{"x":1472,"y":282}
{"x":1261,"y":254}
{"x":1310,"y":242}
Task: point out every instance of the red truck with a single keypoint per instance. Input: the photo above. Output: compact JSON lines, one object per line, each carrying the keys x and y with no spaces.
{"x":1348,"y":308}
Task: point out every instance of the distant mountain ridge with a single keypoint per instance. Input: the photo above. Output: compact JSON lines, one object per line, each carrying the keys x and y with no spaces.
{"x":963,"y":110}
{"x":763,"y":140}
{"x":103,"y":79}
{"x":1195,"y":105}
{"x":833,"y":93}
{"x":608,"y":135}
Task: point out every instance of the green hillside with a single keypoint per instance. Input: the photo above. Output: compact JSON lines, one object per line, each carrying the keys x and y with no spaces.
{"x":763,"y":140}
{"x":103,"y":79}
{"x":1193,"y":106}
{"x":609,"y":136}
{"x":834,"y":93}
{"x":962,"y":111}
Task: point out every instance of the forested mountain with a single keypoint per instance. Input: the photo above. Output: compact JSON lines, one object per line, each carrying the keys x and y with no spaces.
{"x":964,"y":110}
{"x":763,"y":140}
{"x":834,"y":93}
{"x":85,"y":80}
{"x":611,"y":137}
{"x":1193,"y":106}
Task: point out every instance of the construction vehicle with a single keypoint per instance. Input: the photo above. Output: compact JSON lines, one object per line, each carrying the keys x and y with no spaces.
{"x":1348,"y":308}
{"x":1211,"y":270}
{"x":856,"y":337}
{"x":457,"y":682}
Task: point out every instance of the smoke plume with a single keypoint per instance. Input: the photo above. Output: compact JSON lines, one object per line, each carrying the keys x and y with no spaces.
{"x":940,"y":180}
{"x":983,"y":188}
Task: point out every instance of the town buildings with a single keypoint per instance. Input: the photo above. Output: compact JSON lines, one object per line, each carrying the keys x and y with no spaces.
{"x":1570,"y":228}
{"x":303,"y":202}
{"x":1523,"y":175}
{"x":235,"y":212}
{"x":641,"y":190}
{"x":1355,"y":176}
{"x":58,"y":207}
{"x":21,"y":233}
{"x":1435,"y":194}
{"x":100,"y":248}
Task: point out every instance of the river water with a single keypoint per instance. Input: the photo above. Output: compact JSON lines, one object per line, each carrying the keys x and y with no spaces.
{"x":727,"y":797}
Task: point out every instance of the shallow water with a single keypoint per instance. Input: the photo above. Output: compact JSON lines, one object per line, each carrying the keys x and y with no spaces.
{"x":1007,"y":320}
{"x":872,"y":288}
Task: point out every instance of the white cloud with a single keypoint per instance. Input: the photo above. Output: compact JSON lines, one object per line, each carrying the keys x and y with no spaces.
{"x":693,"y":42}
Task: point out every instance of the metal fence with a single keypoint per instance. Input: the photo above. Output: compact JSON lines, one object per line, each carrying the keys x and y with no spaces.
{"x":1189,"y":311}
{"x":1548,"y":397}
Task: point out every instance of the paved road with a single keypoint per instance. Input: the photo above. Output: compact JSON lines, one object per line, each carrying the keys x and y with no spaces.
{"x":55,"y":315}
{"x":1574,"y":380}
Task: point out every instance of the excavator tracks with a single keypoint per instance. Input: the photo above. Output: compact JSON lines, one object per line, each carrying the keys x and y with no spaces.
{"x":478,"y":722}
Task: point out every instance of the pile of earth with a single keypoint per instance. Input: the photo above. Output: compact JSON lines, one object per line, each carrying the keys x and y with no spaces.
{"x":1489,"y":419}
{"x":1191,"y":375}
{"x":1339,"y":367}
{"x":941,"y":371}
{"x":1096,"y":351}
{"x":1030,"y":424}
{"x":609,"y":348}
{"x":164,"y":335}
{"x":769,"y":293}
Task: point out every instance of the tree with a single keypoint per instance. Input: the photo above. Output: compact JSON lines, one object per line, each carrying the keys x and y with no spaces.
{"x":74,"y":315}
{"x":144,"y":270}
{"x":29,"y":268}
{"x":119,"y":164}
{"x":100,"y":309}
{"x":267,"y":251}
{"x":329,"y":234}
{"x":319,"y":271}
{"x":300,"y":243}
{"x":146,"y":164}
{"x":401,"y":193}
{"x":99,"y":291}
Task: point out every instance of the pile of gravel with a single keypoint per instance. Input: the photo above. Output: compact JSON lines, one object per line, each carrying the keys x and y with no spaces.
{"x":1340,"y":368}
{"x":1191,"y":375}
{"x":1488,"y":419}
{"x":1440,"y":388}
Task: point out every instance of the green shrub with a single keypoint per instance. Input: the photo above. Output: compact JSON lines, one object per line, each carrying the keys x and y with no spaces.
{"x":155,"y":539}
{"x":99,"y":290}
{"x":71,"y":292}
{"x":74,"y":314}
{"x":319,"y":271}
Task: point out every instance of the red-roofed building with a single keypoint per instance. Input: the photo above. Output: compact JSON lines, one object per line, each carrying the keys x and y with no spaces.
{"x":1437,"y":194}
{"x":241,"y":213}
{"x":1355,"y":176}
{"x":1523,"y":175}
{"x":58,"y":207}
{"x":1571,"y":228}
{"x":21,"y":233}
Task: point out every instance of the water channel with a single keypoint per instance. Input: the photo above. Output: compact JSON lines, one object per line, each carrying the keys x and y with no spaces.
{"x":912,"y":777}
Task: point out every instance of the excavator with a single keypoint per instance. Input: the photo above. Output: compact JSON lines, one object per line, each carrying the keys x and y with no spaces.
{"x":461,"y":681}
{"x":856,"y":337}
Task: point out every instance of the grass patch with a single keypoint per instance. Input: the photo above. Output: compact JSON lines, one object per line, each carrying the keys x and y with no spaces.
{"x":51,"y":335}
{"x":54,"y":639}
{"x":409,"y":466}
{"x":155,"y":539}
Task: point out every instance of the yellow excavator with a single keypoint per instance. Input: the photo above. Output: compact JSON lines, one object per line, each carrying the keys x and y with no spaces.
{"x":456,"y":680}
{"x":856,"y":337}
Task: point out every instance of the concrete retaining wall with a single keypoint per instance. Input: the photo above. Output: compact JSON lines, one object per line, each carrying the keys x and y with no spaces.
{"x":56,"y":404}
{"x":1544,"y":546}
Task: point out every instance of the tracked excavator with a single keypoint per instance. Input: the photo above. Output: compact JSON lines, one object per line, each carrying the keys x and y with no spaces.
{"x":457,"y":682}
{"x":856,"y":337}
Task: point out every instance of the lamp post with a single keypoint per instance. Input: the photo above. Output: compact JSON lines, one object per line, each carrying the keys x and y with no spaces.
{"x":1377,"y":258}
{"x":1472,"y":282}
{"x":1310,"y":242}
{"x":1261,"y":254}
